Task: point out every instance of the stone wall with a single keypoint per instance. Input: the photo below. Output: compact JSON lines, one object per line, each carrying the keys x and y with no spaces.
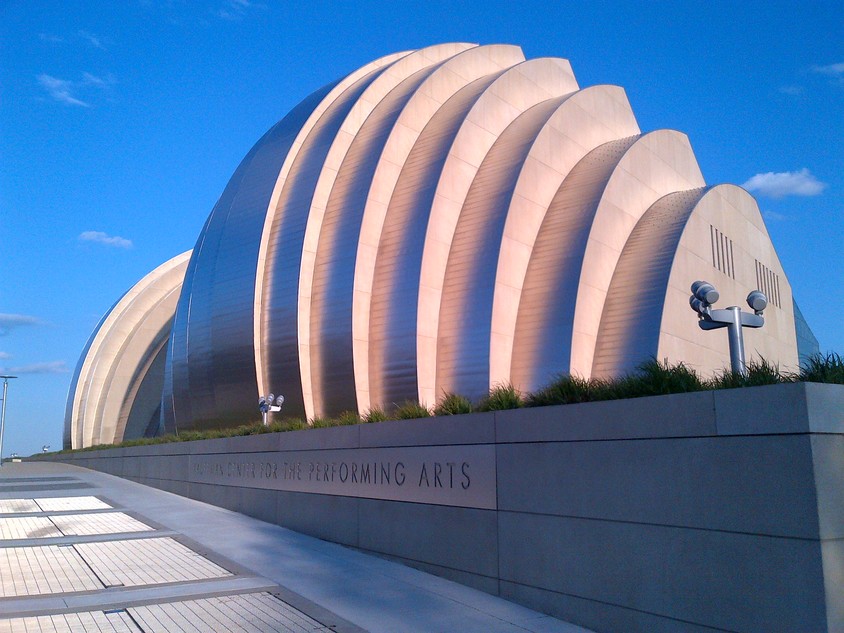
{"x":715,"y":510}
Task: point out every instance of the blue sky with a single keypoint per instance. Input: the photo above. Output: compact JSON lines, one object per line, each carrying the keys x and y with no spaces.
{"x":121,"y":122}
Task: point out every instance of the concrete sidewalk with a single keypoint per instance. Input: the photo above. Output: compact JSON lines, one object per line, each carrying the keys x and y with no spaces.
{"x":134,"y":558}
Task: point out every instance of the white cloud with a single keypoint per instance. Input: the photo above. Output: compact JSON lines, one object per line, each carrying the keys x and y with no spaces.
{"x":46,"y":37}
{"x":50,"y":367}
{"x":92,"y":80}
{"x":789,"y":183}
{"x":5,"y":356}
{"x":94,"y":40}
{"x":9,"y":322}
{"x":794,"y":91}
{"x":236,"y":9}
{"x":834,"y":71}
{"x":773,"y":216}
{"x":103,"y":238}
{"x":61,"y":90}
{"x":831,"y":69}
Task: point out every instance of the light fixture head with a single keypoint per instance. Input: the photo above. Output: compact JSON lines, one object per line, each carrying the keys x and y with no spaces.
{"x":697,"y":305}
{"x":757,"y":301}
{"x":705,"y":291}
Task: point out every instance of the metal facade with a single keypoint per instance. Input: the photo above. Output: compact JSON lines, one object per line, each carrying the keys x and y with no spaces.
{"x":445,"y":220}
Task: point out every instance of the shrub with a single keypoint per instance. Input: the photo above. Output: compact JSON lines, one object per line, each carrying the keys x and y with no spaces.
{"x":374,"y":415}
{"x":759,"y":373}
{"x":410,"y":410}
{"x":288,"y":424}
{"x":653,"y":378}
{"x":565,"y":389}
{"x":503,"y":396}
{"x":453,"y":404}
{"x":347,"y":418}
{"x":827,"y":368}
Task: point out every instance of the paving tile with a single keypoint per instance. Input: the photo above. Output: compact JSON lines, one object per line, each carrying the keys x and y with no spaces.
{"x":27,"y":571}
{"x":250,"y":613}
{"x":65,"y":504}
{"x":27,"y":527}
{"x":148,"y":561}
{"x":10,"y":506}
{"x":100,"y":523}
{"x":88,"y":622}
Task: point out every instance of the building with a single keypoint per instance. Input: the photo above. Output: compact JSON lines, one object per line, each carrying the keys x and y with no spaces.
{"x":439,"y":220}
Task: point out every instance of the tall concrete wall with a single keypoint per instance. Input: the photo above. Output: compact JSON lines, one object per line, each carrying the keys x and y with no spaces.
{"x":695,"y":512}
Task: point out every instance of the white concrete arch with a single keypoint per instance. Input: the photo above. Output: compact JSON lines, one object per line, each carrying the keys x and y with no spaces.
{"x":281,"y":243}
{"x":331,"y":349}
{"x":446,"y":80}
{"x":120,"y":344}
{"x":395,"y":287}
{"x":659,"y":163}
{"x":463,"y":340}
{"x":631,"y":320}
{"x":542,"y":342}
{"x":587,"y":119}
{"x":583,"y":233}
{"x":389,"y":79}
{"x":514,"y":92}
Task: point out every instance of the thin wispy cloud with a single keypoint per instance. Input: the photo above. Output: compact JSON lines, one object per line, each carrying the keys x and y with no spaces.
{"x":94,"y":40}
{"x":9,"y":322}
{"x":54,"y":39}
{"x":68,"y":92}
{"x":61,"y":90}
{"x":236,"y":9}
{"x":99,"y":237}
{"x":773,"y":216}
{"x":794,"y":91}
{"x":49,"y":367}
{"x":834,"y":71}
{"x":789,"y":183}
{"x":5,"y":356}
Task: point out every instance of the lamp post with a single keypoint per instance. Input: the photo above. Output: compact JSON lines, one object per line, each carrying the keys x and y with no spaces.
{"x":732,"y":318}
{"x":3,"y":413}
{"x":265,"y":405}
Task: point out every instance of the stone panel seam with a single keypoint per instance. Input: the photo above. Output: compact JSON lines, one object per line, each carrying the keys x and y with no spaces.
{"x":670,"y":526}
{"x":621,"y":606}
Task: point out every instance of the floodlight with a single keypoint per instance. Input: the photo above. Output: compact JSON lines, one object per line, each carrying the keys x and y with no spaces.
{"x":705,"y":291}
{"x":757,"y":301}
{"x":697,"y":305}
{"x":270,"y":398}
{"x":279,"y":401}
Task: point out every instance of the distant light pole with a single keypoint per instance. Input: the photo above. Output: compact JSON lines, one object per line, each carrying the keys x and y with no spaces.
{"x":6,"y":380}
{"x":265,"y":405}
{"x":732,"y":318}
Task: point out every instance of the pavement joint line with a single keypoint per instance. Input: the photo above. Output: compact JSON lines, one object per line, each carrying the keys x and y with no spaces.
{"x":73,"y":539}
{"x":57,"y":513}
